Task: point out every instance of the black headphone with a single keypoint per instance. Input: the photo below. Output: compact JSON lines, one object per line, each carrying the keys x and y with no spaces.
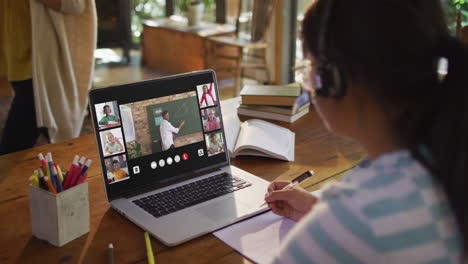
{"x":330,"y":80}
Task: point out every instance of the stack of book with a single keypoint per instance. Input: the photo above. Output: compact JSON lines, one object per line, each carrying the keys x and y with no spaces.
{"x":272,"y":102}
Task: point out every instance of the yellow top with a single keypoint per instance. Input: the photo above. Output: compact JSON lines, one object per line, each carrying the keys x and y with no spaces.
{"x":119,"y":174}
{"x":15,"y":40}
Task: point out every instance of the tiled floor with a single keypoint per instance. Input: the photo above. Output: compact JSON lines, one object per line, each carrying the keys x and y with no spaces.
{"x":112,"y":74}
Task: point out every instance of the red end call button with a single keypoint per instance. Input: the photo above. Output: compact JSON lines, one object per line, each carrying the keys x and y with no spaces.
{"x":185,"y":156}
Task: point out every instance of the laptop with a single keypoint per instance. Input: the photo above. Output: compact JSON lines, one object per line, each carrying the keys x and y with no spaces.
{"x":164,"y":157}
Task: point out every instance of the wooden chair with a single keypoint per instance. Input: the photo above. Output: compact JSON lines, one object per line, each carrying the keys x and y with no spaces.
{"x":251,"y":48}
{"x":462,"y":32}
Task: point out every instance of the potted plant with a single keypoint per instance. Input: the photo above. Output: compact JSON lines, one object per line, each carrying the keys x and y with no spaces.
{"x":194,"y":10}
{"x":451,"y":7}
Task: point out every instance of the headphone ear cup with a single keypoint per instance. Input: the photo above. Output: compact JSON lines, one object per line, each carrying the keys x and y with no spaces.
{"x":338,"y":88}
{"x":332,"y":84}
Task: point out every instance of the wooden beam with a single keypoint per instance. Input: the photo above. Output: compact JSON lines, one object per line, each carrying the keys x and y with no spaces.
{"x":220,"y":11}
{"x":278,"y":41}
{"x":169,"y":8}
{"x":285,"y":40}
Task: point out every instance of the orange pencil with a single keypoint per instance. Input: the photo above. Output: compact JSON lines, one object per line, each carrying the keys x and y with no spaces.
{"x":50,"y":185}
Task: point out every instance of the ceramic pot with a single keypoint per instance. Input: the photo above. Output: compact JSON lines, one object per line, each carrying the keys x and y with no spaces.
{"x":195,"y":13}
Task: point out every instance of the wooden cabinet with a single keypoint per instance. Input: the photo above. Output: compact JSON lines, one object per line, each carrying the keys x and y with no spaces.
{"x":172,"y":47}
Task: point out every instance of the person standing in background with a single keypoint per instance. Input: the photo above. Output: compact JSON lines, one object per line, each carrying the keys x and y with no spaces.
{"x":46,"y":53}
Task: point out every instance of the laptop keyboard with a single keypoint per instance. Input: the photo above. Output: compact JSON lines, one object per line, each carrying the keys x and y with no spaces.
{"x":176,"y":199}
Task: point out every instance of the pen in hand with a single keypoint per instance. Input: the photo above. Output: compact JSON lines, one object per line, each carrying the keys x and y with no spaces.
{"x":296,"y":181}
{"x":110,"y":254}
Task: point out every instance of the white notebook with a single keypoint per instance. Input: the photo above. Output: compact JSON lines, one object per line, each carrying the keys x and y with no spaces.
{"x":258,"y":138}
{"x":259,"y":237}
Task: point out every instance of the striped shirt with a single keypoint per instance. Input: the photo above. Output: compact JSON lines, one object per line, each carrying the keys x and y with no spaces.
{"x":390,"y":212}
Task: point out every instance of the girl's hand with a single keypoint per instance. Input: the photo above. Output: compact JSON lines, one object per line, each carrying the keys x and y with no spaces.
{"x":292,"y":203}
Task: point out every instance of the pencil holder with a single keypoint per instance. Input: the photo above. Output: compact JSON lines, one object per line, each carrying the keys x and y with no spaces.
{"x":59,"y":218}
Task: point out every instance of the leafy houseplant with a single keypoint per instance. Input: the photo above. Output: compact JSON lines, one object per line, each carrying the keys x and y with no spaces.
{"x":193,"y":10}
{"x":144,"y":9}
{"x":451,"y":7}
{"x":183,"y":4}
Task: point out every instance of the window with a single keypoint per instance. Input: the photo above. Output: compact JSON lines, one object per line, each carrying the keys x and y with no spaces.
{"x":144,"y":9}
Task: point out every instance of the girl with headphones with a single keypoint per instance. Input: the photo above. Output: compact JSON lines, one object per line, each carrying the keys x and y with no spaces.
{"x":371,"y":72}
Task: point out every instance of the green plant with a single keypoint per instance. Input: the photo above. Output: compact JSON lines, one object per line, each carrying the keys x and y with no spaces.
{"x":451,"y":7}
{"x":144,"y":9}
{"x":148,"y":9}
{"x":183,"y":4}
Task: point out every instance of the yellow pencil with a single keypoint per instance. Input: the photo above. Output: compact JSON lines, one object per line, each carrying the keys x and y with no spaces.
{"x":59,"y":172}
{"x":34,"y":180}
{"x":149,"y":249}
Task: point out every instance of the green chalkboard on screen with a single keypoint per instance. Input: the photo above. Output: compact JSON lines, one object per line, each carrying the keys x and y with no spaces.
{"x":179,"y":110}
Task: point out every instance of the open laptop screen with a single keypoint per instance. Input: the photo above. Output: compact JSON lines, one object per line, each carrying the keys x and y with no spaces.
{"x":159,"y":131}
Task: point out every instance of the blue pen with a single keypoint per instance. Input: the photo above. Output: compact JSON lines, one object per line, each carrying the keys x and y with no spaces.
{"x":85,"y":168}
{"x":50,"y":165}
{"x":55,"y":175}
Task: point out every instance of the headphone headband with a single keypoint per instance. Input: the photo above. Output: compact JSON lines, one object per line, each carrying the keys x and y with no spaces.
{"x":323,"y":28}
{"x":331,"y":84}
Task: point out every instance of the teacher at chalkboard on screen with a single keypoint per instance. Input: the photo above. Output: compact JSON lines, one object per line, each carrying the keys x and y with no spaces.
{"x":166,"y":130}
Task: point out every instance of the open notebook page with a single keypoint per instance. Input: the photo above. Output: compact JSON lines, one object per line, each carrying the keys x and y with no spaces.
{"x":230,"y":121}
{"x":259,"y":237}
{"x":268,"y":137}
{"x":231,"y":128}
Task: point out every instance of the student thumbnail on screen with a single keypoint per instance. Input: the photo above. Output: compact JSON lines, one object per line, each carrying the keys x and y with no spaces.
{"x":161,"y":124}
{"x":210,"y":117}
{"x":107,"y":115}
{"x":111,"y":142}
{"x":214,"y":143}
{"x":116,"y":169}
{"x":206,"y":95}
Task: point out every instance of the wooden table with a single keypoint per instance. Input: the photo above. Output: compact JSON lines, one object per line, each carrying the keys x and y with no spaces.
{"x":170,"y":46}
{"x":316,"y":149}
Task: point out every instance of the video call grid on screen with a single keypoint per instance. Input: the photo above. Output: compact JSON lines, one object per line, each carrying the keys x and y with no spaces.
{"x":186,"y":88}
{"x":109,"y":123}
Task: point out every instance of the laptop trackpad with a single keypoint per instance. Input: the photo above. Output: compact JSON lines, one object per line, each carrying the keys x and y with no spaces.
{"x":223,"y":209}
